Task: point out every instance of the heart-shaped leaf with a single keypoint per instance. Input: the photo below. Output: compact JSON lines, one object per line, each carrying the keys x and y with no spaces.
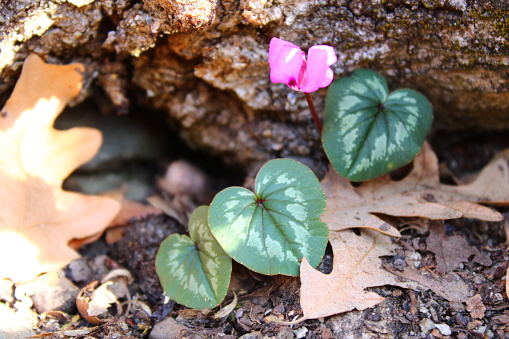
{"x":194,"y":271}
{"x":271,"y":230}
{"x":368,"y":132}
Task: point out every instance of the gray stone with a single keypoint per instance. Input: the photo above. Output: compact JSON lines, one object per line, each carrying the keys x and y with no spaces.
{"x":54,"y":292}
{"x":169,"y":328}
{"x":79,"y":271}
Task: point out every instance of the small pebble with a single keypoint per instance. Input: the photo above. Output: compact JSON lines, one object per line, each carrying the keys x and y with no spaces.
{"x":481,"y":329}
{"x":252,"y":335}
{"x":413,"y":259}
{"x":285,"y":333}
{"x":426,"y":325}
{"x":301,"y":332}
{"x":444,"y":329}
{"x":168,"y":328}
{"x":400,"y":264}
{"x":79,"y":271}
{"x":52,"y":292}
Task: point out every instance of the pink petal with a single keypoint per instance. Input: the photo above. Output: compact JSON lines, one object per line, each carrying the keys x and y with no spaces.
{"x":285,"y":60}
{"x":319,"y":74}
{"x":275,"y":47}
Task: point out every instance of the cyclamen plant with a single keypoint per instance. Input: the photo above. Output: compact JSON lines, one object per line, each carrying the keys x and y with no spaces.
{"x":367,"y":132}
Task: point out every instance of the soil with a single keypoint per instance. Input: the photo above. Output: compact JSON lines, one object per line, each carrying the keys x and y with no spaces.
{"x":404,"y":313}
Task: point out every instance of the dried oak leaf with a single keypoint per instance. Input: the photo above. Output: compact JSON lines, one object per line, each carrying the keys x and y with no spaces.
{"x":450,"y":251}
{"x":356,"y":266}
{"x":419,"y":194}
{"x":450,"y":287}
{"x":37,"y":217}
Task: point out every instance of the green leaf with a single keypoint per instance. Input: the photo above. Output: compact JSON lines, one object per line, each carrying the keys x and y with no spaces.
{"x":368,"y":132}
{"x":271,"y":230}
{"x":194,"y":271}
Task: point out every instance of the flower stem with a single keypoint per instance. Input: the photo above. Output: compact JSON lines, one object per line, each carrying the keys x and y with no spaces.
{"x":312,"y":108}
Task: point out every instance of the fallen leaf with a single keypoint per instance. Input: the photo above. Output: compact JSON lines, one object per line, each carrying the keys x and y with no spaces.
{"x":37,"y":217}
{"x":169,"y":208}
{"x":356,"y":266}
{"x":453,"y":250}
{"x":419,"y":194}
{"x":129,"y":210}
{"x":450,"y":287}
{"x":476,"y":307}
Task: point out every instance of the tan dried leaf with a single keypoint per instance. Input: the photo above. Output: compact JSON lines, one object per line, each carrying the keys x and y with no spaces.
{"x":38,"y":218}
{"x":356,"y":266}
{"x":419,"y":194}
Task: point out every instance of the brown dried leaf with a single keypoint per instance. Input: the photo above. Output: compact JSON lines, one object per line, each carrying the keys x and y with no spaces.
{"x":129,"y":210}
{"x":476,"y":307}
{"x":451,"y":287}
{"x":356,"y":266}
{"x":451,"y":251}
{"x":419,"y":194}
{"x":38,"y":218}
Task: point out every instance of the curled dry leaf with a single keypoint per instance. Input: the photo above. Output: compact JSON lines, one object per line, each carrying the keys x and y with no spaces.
{"x":37,"y":217}
{"x":227,"y":309}
{"x":83,"y":300}
{"x":94,"y":301}
{"x":419,"y":194}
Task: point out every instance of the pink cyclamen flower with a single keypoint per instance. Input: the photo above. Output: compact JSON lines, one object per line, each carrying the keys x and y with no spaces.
{"x":288,"y":65}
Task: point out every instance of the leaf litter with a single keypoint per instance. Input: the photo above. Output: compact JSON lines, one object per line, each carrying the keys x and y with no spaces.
{"x":419,"y":194}
{"x":357,"y":264}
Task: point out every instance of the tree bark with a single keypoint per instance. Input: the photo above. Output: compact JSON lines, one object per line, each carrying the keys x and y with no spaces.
{"x":204,"y":62}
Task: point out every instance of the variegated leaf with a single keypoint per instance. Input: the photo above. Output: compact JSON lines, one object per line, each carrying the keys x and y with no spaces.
{"x":271,"y":230}
{"x":194,"y":271}
{"x":368,"y":132}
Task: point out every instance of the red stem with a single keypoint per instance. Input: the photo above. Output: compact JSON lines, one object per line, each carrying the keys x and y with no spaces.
{"x":316,"y":119}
